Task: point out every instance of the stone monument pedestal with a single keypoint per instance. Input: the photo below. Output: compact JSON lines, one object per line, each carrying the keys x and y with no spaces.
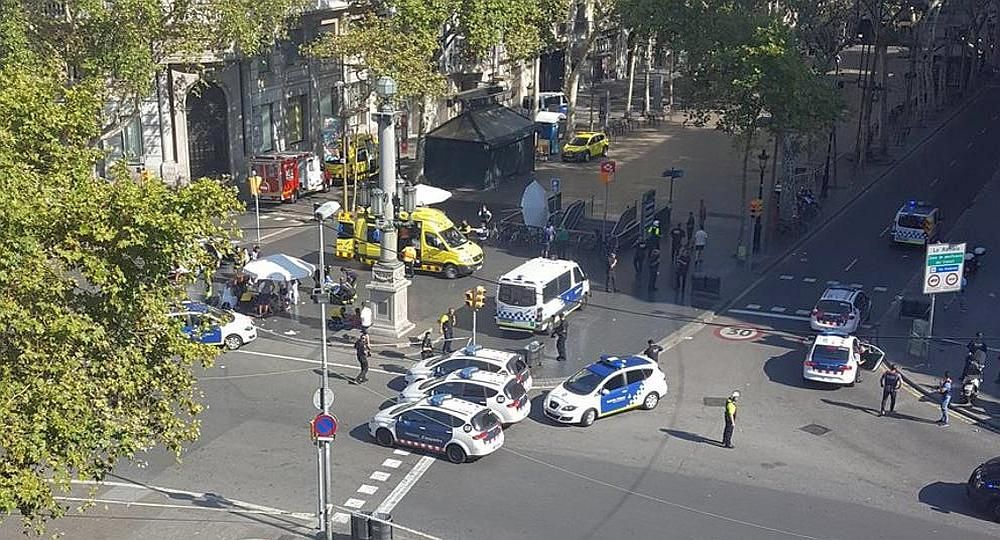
{"x":388,"y":293}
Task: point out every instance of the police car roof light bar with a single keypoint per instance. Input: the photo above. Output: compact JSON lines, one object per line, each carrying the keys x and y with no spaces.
{"x":471,"y":349}
{"x":466,"y":373}
{"x":438,"y":399}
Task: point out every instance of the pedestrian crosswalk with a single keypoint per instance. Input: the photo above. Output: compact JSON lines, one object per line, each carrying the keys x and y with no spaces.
{"x":810,"y":287}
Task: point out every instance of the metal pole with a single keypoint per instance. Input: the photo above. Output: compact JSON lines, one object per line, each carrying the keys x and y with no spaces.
{"x":324,"y":447}
{"x":930,"y":325}
{"x":474,"y":310}
{"x":387,"y":170}
{"x":256,"y":209}
{"x":670,"y":199}
{"x":607,"y":201}
{"x":327,"y":514}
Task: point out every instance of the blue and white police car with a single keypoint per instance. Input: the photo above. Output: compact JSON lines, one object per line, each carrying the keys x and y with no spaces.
{"x":493,"y":360}
{"x":837,"y":358}
{"x":213,"y":326}
{"x":609,"y":386}
{"x":440,"y":423}
{"x":501,"y":393}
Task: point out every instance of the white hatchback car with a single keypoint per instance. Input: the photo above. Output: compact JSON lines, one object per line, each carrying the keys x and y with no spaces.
{"x":494,"y":360}
{"x":837,"y":359}
{"x":442,"y":423}
{"x":608,"y":386}
{"x":501,"y":393}
{"x":213,"y":326}
{"x":841,"y":309}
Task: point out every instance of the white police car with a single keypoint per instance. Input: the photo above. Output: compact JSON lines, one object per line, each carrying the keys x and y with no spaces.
{"x":441,"y":423}
{"x":842,"y":309}
{"x":496,"y":361}
{"x":213,"y":326}
{"x":837,"y":359}
{"x":608,"y":386}
{"x":501,"y":393}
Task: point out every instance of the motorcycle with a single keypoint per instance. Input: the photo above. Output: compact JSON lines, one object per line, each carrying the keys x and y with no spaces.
{"x":973,"y":260}
{"x":807,"y":204}
{"x":972,"y":379}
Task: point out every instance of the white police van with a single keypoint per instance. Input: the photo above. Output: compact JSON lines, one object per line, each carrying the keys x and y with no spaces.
{"x":441,"y":423}
{"x":503,"y":394}
{"x":530,"y":296}
{"x":917,"y":223}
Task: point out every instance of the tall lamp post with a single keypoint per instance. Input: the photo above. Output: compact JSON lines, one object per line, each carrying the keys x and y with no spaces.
{"x":757,"y":228}
{"x":322,"y":213}
{"x":388,"y":288}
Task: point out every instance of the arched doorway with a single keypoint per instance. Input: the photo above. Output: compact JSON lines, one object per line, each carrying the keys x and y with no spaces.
{"x":208,"y":132}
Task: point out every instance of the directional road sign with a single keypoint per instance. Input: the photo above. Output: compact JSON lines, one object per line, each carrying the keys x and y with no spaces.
{"x":943,"y":268}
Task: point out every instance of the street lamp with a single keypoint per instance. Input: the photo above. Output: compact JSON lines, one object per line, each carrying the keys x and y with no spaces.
{"x":762,"y":159}
{"x":388,"y":286}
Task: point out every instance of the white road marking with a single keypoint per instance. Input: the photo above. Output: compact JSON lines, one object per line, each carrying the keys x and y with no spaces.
{"x":832,"y":283}
{"x":279,"y":218}
{"x":392,"y":463}
{"x":753,"y":306}
{"x":880,"y":289}
{"x":778,"y":309}
{"x":308,"y":361}
{"x":809,"y":279}
{"x":367,"y":489}
{"x":867,"y":326}
{"x":857,"y":285}
{"x":297,"y":515}
{"x":771,"y":315}
{"x":885,"y":230}
{"x":380,"y":476}
{"x":399,"y":452}
{"x":849,"y":266}
{"x":969,"y":145}
{"x":953,"y":162}
{"x":935,"y":181}
{"x":802,"y":312}
{"x":405,"y":485}
{"x":786,"y":276}
{"x":354,"y":503}
{"x":340,"y":518}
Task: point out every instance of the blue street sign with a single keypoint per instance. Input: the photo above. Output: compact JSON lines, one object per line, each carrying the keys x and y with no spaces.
{"x":324,"y":425}
{"x":555,"y":184}
{"x":673,"y":173}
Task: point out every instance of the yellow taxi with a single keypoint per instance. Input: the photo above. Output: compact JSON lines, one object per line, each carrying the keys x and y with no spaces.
{"x":586,"y":145}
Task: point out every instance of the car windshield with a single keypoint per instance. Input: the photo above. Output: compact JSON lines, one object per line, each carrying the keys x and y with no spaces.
{"x":830,"y":354}
{"x":910,"y":221}
{"x":584,"y":382}
{"x":453,"y":238}
{"x":514,"y":390}
{"x":223,"y":317}
{"x":485,"y":420}
{"x":834,"y":307}
{"x":579,"y":141}
{"x":516,"y":295}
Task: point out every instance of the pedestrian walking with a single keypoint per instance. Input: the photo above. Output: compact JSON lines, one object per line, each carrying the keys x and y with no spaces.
{"x":944,"y":389}
{"x":485,"y":216}
{"x":242,"y":258}
{"x":702,"y":214}
{"x":255,"y":254}
{"x":363,"y":348}
{"x":447,"y":322}
{"x":689,"y":228}
{"x":639,"y":256}
{"x":653,"y":234}
{"x":676,"y":240}
{"x":426,"y":346}
{"x":548,"y":236}
{"x":409,"y":259}
{"x":730,"y":418}
{"x":890,"y":382}
{"x":562,"y":240}
{"x":654,"y":268}
{"x":700,"y":241}
{"x":293,"y":292}
{"x":609,"y":283}
{"x":652,"y":351}
{"x":559,"y":332}
{"x":681,"y":265}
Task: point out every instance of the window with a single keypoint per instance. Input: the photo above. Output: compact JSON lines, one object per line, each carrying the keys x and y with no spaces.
{"x":517,"y":365}
{"x":583,"y":383}
{"x":551,"y":291}
{"x":266,"y":129}
{"x":564,"y":282}
{"x":615,"y":382}
{"x":475,"y":394}
{"x":452,"y":389}
{"x":444,"y":419}
{"x":453,"y":237}
{"x":297,"y":119}
{"x":516,"y":295}
{"x":452,"y":365}
{"x":578,"y":276}
{"x":132,"y":140}
{"x":432,"y":240}
{"x":637,"y":375}
{"x":296,"y":37}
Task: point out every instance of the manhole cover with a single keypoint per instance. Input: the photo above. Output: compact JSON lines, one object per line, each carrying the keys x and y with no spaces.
{"x":815,"y":429}
{"x":714,"y":401}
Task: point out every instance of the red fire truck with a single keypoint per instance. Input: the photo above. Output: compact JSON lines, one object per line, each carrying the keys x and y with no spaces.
{"x":286,"y":176}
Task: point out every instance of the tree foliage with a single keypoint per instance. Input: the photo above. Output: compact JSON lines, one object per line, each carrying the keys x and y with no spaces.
{"x":92,"y":369}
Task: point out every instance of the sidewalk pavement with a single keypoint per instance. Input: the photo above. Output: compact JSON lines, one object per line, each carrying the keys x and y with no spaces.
{"x":957,"y":318}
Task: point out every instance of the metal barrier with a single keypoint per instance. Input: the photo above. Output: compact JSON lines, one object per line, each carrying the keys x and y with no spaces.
{"x":706,"y":285}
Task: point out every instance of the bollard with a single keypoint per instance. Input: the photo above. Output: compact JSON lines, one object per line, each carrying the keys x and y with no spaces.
{"x":533,"y":353}
{"x":381,"y":529}
{"x":360,"y":526}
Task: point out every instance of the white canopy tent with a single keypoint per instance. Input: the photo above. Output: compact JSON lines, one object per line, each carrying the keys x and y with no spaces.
{"x":279,"y":267}
{"x":427,"y":195}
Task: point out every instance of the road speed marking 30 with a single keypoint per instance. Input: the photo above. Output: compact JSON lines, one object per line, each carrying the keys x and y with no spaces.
{"x":737,"y":333}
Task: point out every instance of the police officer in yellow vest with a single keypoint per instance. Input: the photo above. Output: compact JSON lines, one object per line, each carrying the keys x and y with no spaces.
{"x":727,"y":433}
{"x":409,"y":258}
{"x":653,"y":234}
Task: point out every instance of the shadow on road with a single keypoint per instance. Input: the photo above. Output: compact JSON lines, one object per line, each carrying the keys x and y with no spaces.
{"x":692,"y":437}
{"x":786,"y":369}
{"x":948,"y":498}
{"x":870,"y":410}
{"x":538,"y":414}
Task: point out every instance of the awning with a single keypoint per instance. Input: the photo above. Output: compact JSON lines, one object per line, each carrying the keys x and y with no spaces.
{"x":279,"y":267}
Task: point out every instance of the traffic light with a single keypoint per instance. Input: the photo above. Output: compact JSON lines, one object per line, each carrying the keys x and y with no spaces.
{"x":756,"y":208}
{"x":470,"y":298}
{"x":480,"y":296}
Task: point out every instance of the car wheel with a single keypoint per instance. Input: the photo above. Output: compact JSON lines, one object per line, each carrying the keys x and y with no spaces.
{"x":583,"y":301}
{"x":233,"y":342}
{"x":384,"y":437}
{"x":994,"y":509}
{"x":588,"y":418}
{"x":586,"y":156}
{"x":294,"y":197}
{"x":450,"y":271}
{"x":455,"y":454}
{"x":650,"y":401}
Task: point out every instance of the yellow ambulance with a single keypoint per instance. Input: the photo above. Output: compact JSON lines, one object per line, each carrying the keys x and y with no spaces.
{"x":363,"y":155}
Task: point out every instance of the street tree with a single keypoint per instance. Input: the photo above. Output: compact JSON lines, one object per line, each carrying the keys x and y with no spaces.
{"x":414,"y":41}
{"x":92,"y":369}
{"x":585,"y":21}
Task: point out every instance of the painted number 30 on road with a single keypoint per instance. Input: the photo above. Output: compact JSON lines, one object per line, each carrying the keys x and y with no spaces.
{"x":737,"y":333}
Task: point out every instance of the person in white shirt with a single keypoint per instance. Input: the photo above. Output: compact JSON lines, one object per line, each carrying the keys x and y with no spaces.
{"x":700,"y":240}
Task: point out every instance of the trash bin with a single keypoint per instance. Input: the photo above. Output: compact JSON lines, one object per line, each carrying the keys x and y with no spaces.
{"x":533,"y":353}
{"x":380,"y":526}
{"x":360,"y":526}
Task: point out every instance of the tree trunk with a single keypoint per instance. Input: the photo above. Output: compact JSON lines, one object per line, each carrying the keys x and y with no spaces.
{"x":649,"y":75}
{"x":633,"y":53}
{"x":743,"y":186}
{"x":422,"y":123}
{"x":670,"y":83}
{"x":883,"y":122}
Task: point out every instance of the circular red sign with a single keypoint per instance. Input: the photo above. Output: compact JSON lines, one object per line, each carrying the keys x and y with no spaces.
{"x":737,"y":333}
{"x":264,"y":187}
{"x":934,"y":280}
{"x":951,"y":278}
{"x":608,"y":166}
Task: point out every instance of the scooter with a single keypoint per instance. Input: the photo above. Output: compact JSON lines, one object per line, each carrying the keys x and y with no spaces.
{"x":972,"y":379}
{"x":973,"y":260}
